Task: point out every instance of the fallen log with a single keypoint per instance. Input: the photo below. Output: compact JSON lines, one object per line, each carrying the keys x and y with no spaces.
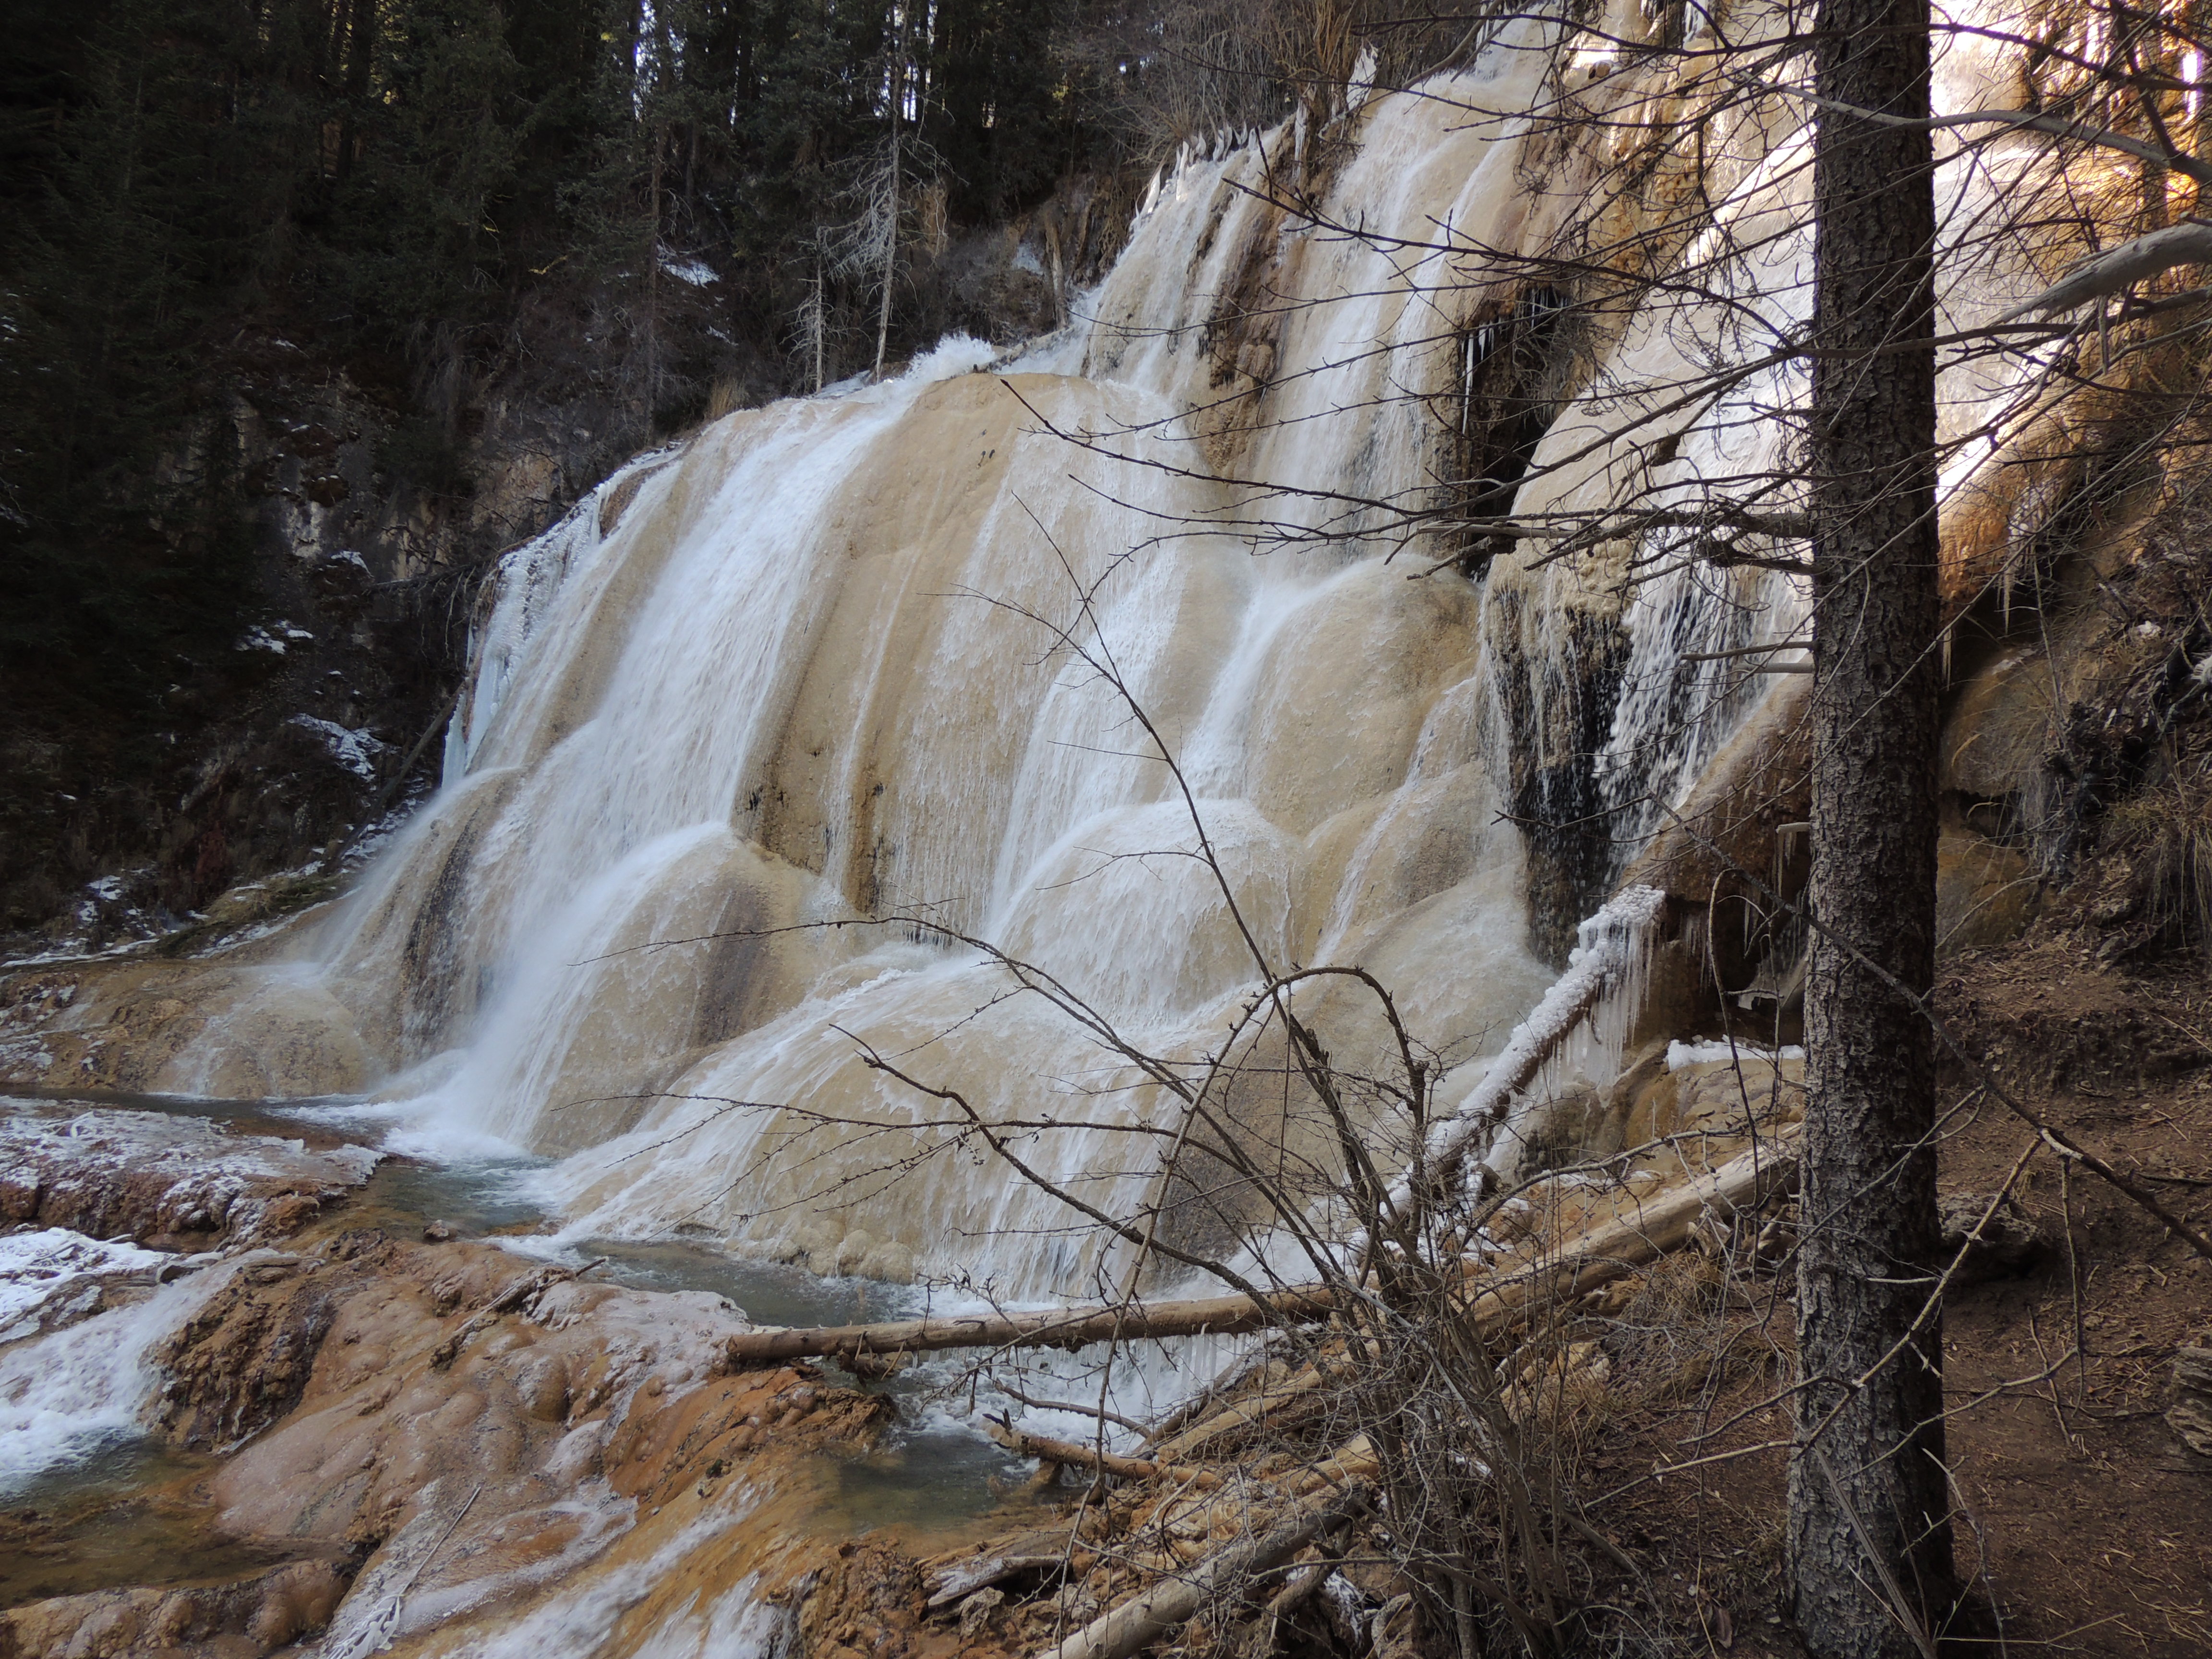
{"x":1278,"y":1404}
{"x":1057,"y":1327}
{"x":1500,"y":1296}
{"x":1041,"y":1552}
{"x":1124,"y":1630}
{"x":1613,"y":1248}
{"x":958,"y":1583}
{"x":1605,"y":1253}
{"x":1230,"y":1380}
{"x":1046,"y":1449}
{"x":1354,"y":1461}
{"x":1610,"y":943}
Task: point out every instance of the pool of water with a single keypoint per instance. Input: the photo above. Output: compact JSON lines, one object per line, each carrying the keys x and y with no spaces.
{"x":929,"y":1469}
{"x":477,"y":1201}
{"x":127,"y":1515}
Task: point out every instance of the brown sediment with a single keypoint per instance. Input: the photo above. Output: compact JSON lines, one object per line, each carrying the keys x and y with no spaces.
{"x":381,"y":1410}
{"x":255,"y":1614}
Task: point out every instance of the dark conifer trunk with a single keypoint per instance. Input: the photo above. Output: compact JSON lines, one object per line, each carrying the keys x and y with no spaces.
{"x":1869,"y":1537}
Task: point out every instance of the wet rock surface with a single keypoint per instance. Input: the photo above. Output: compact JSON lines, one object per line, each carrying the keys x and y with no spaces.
{"x":143,"y":1025}
{"x":245,"y":1359}
{"x":467,"y":1429}
{"x":246,"y":1616}
{"x":170,"y":1181}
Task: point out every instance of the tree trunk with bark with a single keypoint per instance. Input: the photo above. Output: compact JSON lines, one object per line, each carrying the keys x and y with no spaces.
{"x":1870,"y":1533}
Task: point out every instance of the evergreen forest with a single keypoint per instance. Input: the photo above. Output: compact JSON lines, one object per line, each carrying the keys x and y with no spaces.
{"x":667,"y":209}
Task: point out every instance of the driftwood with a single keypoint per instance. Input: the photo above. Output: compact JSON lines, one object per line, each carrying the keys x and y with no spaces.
{"x":1354,"y":1461}
{"x":1610,"y":1250}
{"x":1605,"y":1253}
{"x":1279,"y":1402}
{"x":1498,"y":1297}
{"x":957,"y":1584}
{"x":1239,"y":1371}
{"x":1046,"y":1449}
{"x":1605,"y":958}
{"x":1044,"y":1553}
{"x":1503,"y":1297}
{"x":1126,"y":1629}
{"x":1058,"y":1328}
{"x":1609,"y":946}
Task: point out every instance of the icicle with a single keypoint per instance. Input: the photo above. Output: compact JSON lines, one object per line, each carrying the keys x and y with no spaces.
{"x":1609,"y":963}
{"x":1149,"y":201}
{"x":1362,"y":86}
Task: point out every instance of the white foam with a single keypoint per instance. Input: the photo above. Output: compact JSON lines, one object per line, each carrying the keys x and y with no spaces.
{"x":37,"y":1268}
{"x":954,"y":354}
{"x":419,"y":1126}
{"x":67,"y":1395}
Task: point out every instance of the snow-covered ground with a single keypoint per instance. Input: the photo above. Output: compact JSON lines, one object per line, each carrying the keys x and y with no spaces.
{"x":42,"y":1272}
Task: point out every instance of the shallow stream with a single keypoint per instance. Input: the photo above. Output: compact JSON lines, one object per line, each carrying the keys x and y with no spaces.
{"x":117,"y":1498}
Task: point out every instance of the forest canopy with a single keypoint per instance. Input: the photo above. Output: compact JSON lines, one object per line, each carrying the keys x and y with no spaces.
{"x":611,"y":197}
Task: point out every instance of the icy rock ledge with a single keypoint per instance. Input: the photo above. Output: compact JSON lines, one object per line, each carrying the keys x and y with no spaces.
{"x":173,"y":1182}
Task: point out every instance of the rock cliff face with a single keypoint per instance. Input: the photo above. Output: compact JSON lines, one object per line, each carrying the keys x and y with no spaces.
{"x":274,"y":757}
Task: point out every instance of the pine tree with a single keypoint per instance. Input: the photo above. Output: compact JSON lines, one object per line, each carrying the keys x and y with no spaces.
{"x":1869,"y":1503}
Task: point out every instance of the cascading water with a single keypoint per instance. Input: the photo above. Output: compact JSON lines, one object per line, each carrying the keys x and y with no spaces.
{"x":782,"y":746}
{"x":768,"y":717}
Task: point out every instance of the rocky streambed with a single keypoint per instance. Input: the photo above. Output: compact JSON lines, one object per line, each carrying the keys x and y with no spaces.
{"x":270,"y":1389}
{"x":255,"y":1395}
{"x":266,"y":1388}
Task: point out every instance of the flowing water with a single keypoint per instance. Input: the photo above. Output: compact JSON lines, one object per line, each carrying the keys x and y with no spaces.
{"x":804,"y":672}
{"x":780,"y":748}
{"x":69,"y":1397}
{"x":775,"y":743}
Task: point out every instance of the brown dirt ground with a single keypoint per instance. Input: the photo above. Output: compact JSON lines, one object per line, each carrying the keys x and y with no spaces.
{"x":2081,"y":1519}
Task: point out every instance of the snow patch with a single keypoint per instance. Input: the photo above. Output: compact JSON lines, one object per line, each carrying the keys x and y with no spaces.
{"x":1680,"y":1055}
{"x":351,"y":748}
{"x":207,"y":1165}
{"x":38,"y":1269}
{"x":697,"y":272}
